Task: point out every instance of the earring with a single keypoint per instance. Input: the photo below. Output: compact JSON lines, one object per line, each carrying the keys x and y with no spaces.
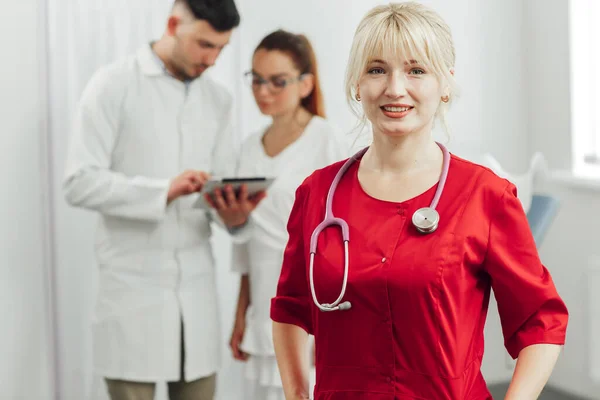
{"x":445,"y":99}
{"x":357,"y":97}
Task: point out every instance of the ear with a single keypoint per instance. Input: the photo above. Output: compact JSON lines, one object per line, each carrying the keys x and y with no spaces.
{"x":447,"y":86}
{"x":172,"y":24}
{"x":307,"y":85}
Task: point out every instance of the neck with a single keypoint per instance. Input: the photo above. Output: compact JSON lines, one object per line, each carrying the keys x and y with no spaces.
{"x":163,"y":50}
{"x":291,"y":122}
{"x":402,"y":155}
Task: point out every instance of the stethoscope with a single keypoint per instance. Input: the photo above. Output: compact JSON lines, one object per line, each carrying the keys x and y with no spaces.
{"x":425,"y":220}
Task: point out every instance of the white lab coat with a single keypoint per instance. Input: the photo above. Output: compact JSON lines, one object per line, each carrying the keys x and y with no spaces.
{"x":136,"y":128}
{"x":261,"y":255}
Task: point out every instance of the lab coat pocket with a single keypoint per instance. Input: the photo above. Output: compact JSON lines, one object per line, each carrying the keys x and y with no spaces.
{"x":124,"y":242}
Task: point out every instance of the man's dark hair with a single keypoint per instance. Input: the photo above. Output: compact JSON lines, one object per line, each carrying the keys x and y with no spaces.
{"x":222,"y":15}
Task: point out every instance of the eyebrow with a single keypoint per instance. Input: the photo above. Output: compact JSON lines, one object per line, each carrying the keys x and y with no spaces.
{"x":379,"y":61}
{"x":280,"y":75}
{"x":210,"y":44}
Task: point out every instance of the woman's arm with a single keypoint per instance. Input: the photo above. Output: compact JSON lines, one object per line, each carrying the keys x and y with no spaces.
{"x":292,"y":359}
{"x":239,"y":327}
{"x":533,"y":315}
{"x":534,"y":366}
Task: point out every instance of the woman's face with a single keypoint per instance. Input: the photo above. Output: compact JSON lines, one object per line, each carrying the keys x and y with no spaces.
{"x":277,"y":85}
{"x":399,"y":96}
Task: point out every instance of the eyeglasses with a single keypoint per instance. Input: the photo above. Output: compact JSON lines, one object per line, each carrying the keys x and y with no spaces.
{"x":275,"y":84}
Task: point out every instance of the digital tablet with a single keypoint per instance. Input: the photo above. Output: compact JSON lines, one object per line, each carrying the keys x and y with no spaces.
{"x":253,"y":185}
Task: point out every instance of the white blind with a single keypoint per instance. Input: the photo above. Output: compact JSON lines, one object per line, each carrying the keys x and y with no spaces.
{"x":585,"y":79}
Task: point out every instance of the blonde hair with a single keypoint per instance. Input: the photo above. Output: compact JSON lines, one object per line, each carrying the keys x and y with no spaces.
{"x":408,"y":30}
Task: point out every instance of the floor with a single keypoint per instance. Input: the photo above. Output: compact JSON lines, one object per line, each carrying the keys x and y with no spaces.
{"x":498,"y":392}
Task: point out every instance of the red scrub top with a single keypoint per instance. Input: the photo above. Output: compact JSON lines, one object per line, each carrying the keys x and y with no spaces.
{"x":419,"y":302}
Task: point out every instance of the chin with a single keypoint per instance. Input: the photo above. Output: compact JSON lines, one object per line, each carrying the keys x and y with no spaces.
{"x":396,"y":131}
{"x":196,"y":75}
{"x":400,"y":128}
{"x":266,"y":110}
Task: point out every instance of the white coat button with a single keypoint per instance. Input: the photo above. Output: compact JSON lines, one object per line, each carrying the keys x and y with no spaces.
{"x":383,"y":259}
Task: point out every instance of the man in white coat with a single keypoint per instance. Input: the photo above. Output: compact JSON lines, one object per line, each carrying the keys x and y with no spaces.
{"x":149,"y":131}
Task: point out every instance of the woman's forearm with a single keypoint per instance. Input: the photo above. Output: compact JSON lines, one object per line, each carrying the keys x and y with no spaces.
{"x":292,"y":359}
{"x":534,"y":367}
{"x":243,"y":297}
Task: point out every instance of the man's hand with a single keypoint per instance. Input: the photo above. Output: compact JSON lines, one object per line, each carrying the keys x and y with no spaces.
{"x":234,"y":211}
{"x":187,"y":183}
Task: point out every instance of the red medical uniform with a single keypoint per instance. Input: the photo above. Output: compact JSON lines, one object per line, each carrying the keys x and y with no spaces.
{"x":419,"y":302}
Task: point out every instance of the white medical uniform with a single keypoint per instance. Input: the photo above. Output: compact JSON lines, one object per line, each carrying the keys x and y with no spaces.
{"x":136,"y":128}
{"x":261,"y":256}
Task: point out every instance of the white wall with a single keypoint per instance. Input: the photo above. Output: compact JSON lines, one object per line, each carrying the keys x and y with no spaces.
{"x":25,"y":336}
{"x":573,"y":240}
{"x":547,"y":72}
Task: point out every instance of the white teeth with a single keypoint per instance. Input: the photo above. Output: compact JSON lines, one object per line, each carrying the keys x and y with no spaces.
{"x":396,"y":109}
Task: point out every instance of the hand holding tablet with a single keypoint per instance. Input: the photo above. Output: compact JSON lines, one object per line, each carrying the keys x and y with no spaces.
{"x":234,"y":198}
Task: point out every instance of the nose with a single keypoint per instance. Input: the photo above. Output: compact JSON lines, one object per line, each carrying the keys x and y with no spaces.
{"x":396,"y":86}
{"x":261,"y":90}
{"x":211,"y":57}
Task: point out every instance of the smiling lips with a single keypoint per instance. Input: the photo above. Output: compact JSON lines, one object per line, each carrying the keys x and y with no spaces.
{"x":396,"y":110}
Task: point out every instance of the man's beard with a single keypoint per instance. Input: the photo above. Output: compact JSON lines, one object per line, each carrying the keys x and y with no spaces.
{"x":179,"y":71}
{"x":183,"y":75}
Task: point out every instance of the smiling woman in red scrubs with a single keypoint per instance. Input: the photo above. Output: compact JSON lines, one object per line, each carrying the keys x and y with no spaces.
{"x":414,"y":329}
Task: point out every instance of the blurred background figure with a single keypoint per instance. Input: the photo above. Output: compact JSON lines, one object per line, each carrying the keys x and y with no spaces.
{"x":147,"y":132}
{"x":298,"y":140}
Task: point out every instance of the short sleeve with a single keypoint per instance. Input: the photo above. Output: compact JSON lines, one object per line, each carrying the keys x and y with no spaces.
{"x":291,"y":305}
{"x":531,"y":311}
{"x":240,"y":259}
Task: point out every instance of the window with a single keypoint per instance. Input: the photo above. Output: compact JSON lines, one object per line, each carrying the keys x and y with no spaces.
{"x":585,"y":86}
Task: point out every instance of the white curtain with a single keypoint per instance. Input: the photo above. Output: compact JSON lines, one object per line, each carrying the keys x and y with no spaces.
{"x":25,"y":332}
{"x":84,"y":35}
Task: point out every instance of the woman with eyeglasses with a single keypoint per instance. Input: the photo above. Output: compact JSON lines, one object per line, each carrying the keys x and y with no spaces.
{"x":297,"y":141}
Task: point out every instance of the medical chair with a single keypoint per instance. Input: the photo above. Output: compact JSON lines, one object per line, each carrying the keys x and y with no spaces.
{"x":541,"y":214}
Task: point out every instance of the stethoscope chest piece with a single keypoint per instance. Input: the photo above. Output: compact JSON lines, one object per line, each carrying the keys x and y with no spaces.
{"x":426,"y":220}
